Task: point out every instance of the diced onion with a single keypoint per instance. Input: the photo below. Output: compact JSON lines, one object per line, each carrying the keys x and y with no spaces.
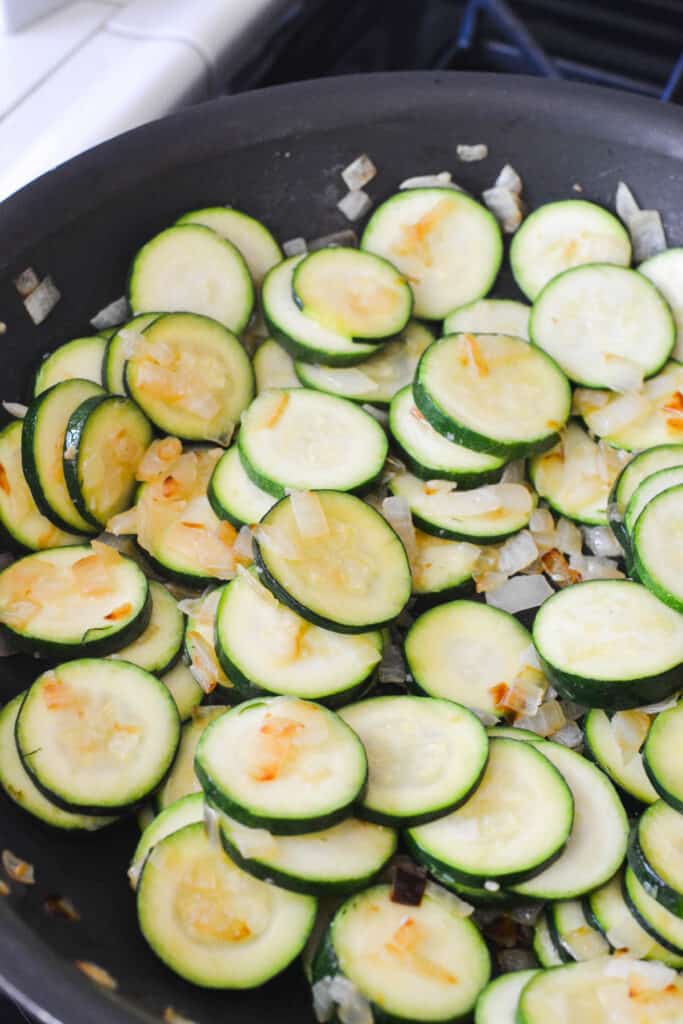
{"x":472,"y":154}
{"x":505,"y":206}
{"x":243,"y":546}
{"x":112,"y":315}
{"x":514,"y":472}
{"x":541,"y":521}
{"x":662,"y":705}
{"x":647,"y":234}
{"x":18,"y":870}
{"x":346,"y":237}
{"x":626,"y":204}
{"x":295,"y":246}
{"x":602,"y":541}
{"x":520,"y":593}
{"x":622,"y":374}
{"x":570,"y":735}
{"x":42,"y":300}
{"x":441,"y":180}
{"x":309,"y":514}
{"x":569,"y":539}
{"x":621,"y":412}
{"x":517,"y":553}
{"x":548,"y":719}
{"x":355,"y":205}
{"x":587,"y":400}
{"x":655,"y":974}
{"x":355,"y":381}
{"x":490,"y":581}
{"x":353,"y":1007}
{"x":392,"y":667}
{"x":584,"y":942}
{"x":630,"y":729}
{"x":16,"y":409}
{"x":396,"y":511}
{"x":594,"y":568}
{"x":124,"y":523}
{"x":278,"y":541}
{"x":509,"y":179}
{"x":359,"y":172}
{"x":26,"y":282}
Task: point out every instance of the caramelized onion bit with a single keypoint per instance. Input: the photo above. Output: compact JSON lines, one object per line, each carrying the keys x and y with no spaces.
{"x":18,"y":870}
{"x":61,"y":906}
{"x":97,"y":974}
{"x":408,"y":881}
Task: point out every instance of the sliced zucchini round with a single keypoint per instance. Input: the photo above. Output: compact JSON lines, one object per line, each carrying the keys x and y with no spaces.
{"x":273,"y":367}
{"x":20,"y":788}
{"x":300,"y":335}
{"x":191,"y":376}
{"x":603,"y":324}
{"x":575,"y":936}
{"x":187,"y":810}
{"x":353,"y":578}
{"x":649,"y":488}
{"x":19,"y":514}
{"x":72,"y":600}
{"x":42,"y":447}
{"x":574,"y":478}
{"x":353,"y":293}
{"x":517,"y":822}
{"x":105,"y":439}
{"x":652,"y":855}
{"x":666,"y":928}
{"x":186,"y":692}
{"x":78,"y":359}
{"x":512,"y":732}
{"x":264,"y":644}
{"x":380,"y":377}
{"x":663,"y":755}
{"x":430,"y":455}
{"x":497,"y":1004}
{"x":213,"y":924}
{"x":159,"y":645}
{"x":119,"y":347}
{"x":424,"y":963}
{"x":340,"y":859}
{"x":425,"y":757}
{"x":544,"y":945}
{"x":624,"y":766}
{"x":464,"y":650}
{"x":442,"y":566}
{"x":490,"y":316}
{"x":447,"y":245}
{"x":663,"y":456}
{"x":638,"y":421}
{"x":252,"y":238}
{"x":610,"y":644}
{"x":484,"y":515}
{"x":182,"y":780}
{"x":304,"y":440}
{"x":234,"y":495}
{"x":665,"y":270}
{"x":657,"y":544}
{"x":283,"y":764}
{"x":565,"y":234}
{"x":611,"y":913}
{"x":189,"y":268}
{"x":493,"y":393}
{"x":200,"y":646}
{"x":97,"y":736}
{"x":599,"y":835}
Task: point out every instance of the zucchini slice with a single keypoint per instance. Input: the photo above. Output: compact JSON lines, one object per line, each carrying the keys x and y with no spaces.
{"x":304,"y":440}
{"x":233,"y":494}
{"x":493,"y":393}
{"x":663,"y":756}
{"x":575,"y":936}
{"x":643,"y":420}
{"x":425,"y":757}
{"x":189,"y":268}
{"x":191,"y":376}
{"x":611,"y":913}
{"x":380,"y":377}
{"x":78,"y":359}
{"x":663,"y":456}
{"x":283,"y":764}
{"x":200,"y":647}
{"x":159,"y":645}
{"x":666,"y":928}
{"x":213,"y":924}
{"x":300,"y":335}
{"x":610,"y":644}
{"x":517,"y":822}
{"x":97,"y":736}
{"x":490,"y":316}
{"x":263,"y":644}
{"x":624,"y":766}
{"x":497,"y":1004}
{"x":602,"y":989}
{"x":652,"y":855}
{"x":575,"y":477}
{"x":273,"y":367}
{"x":599,"y":835}
{"x":484,"y":515}
{"x":42,"y":448}
{"x":182,"y":779}
{"x":20,"y":788}
{"x":72,"y":600}
{"x":512,"y":732}
{"x":105,"y":439}
{"x":254,"y":241}
{"x":463,"y":650}
{"x":665,"y":270}
{"x":340,"y":859}
{"x":604,"y":324}
{"x":656,"y":542}
{"x":424,"y":963}
{"x":430,"y":455}
{"x":559,"y":236}
{"x":352,"y":578}
{"x":447,"y":245}
{"x":442,"y":566}
{"x":186,"y":692}
{"x":188,"y":810}
{"x":19,"y":514}
{"x":353,"y":293}
{"x":119,"y":348}
{"x":649,"y":488}
{"x":544,"y":945}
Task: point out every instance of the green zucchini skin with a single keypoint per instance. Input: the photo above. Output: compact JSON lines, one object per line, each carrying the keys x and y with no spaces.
{"x":632,"y":905}
{"x":613,"y":696}
{"x":445,"y":533}
{"x":465,"y":481}
{"x":649,"y":878}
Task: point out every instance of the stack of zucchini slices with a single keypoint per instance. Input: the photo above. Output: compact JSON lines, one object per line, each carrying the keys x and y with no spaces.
{"x":317,"y":499}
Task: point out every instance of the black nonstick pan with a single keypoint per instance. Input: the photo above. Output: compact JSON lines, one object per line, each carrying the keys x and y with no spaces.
{"x":277,"y":154}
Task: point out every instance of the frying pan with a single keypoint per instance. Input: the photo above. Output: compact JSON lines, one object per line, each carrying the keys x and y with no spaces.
{"x":277,"y":154}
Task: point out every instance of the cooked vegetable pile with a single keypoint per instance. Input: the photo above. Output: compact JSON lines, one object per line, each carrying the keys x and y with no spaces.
{"x":316,"y":491}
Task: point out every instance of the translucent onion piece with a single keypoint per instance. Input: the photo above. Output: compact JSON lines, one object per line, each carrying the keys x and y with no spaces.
{"x":358,"y":173}
{"x":570,"y":735}
{"x":397,"y":513}
{"x":541,"y":521}
{"x":548,"y":719}
{"x":621,"y":412}
{"x":587,"y":400}
{"x":295,"y":246}
{"x":594,"y":568}
{"x":520,"y":593}
{"x":602,"y":542}
{"x":514,"y":472}
{"x":509,"y":179}
{"x":622,"y":374}
{"x":355,"y":205}
{"x":112,"y":315}
{"x":517,"y":553}
{"x":625,"y":202}
{"x":662,"y":705}
{"x":18,"y":870}
{"x":505,"y":206}
{"x":26,"y":282}
{"x":515,"y":959}
{"x":346,"y":237}
{"x":392,"y":668}
{"x":16,"y":409}
{"x":568,"y":537}
{"x":630,"y":729}
{"x":472,"y":154}
{"x":353,"y":1008}
{"x":309,"y":514}
{"x":243,"y":546}
{"x":647,"y":234}
{"x":42,"y":300}
{"x":441,"y":180}
{"x":277,"y":541}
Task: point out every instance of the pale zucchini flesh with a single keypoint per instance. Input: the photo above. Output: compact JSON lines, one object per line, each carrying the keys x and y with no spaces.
{"x":158,"y":646}
{"x":665,"y":270}
{"x":234,"y":495}
{"x":273,"y":367}
{"x":187,"y":810}
{"x":627,"y":772}
{"x":651,"y":417}
{"x":254,"y":241}
{"x":613,"y":916}
{"x":81,"y":358}
{"x":490,"y":316}
{"x":497,"y":1004}
{"x":663,"y":756}
{"x":182,"y":780}
{"x":649,"y":488}
{"x":440,"y":566}
{"x":119,"y":348}
{"x":658,"y":544}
